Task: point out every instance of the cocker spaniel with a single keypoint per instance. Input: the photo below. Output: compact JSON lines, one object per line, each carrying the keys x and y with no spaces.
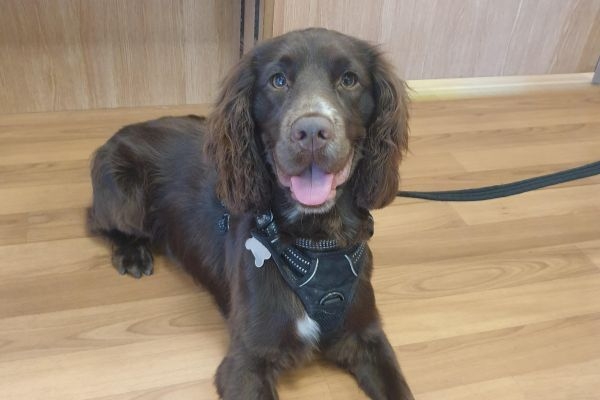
{"x":266,"y":202}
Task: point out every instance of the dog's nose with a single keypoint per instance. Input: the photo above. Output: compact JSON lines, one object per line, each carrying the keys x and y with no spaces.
{"x":312,"y":132}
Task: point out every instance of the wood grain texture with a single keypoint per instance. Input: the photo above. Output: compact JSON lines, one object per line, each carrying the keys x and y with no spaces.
{"x":83,"y":54}
{"x":493,"y":300}
{"x":445,"y":39}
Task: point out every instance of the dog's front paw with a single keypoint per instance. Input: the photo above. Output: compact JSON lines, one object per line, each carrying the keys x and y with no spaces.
{"x":134,"y":260}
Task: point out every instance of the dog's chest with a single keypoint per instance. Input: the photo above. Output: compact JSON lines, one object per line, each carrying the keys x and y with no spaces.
{"x":308,"y":329}
{"x":322,"y":275}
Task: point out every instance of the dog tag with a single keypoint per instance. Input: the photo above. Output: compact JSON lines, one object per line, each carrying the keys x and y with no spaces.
{"x":260,"y":252}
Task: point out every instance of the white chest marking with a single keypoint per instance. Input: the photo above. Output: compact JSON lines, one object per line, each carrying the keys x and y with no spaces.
{"x":307,"y":329}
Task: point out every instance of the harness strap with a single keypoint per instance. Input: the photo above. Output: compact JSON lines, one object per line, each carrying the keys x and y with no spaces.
{"x":508,"y":189}
{"x":323,"y":277}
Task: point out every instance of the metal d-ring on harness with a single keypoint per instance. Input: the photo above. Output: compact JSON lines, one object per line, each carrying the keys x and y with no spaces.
{"x":322,"y":275}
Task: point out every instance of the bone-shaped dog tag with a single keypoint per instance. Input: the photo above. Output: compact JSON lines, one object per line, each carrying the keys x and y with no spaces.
{"x":260,"y":252}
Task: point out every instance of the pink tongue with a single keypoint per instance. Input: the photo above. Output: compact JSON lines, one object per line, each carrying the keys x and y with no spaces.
{"x":313,"y":187}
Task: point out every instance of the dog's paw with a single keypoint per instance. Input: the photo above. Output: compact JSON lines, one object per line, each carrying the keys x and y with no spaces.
{"x":135,"y":260}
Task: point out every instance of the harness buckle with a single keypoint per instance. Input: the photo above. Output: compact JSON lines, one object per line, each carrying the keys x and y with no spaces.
{"x":263,"y":220}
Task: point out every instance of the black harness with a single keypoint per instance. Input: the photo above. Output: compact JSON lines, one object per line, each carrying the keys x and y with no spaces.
{"x":323,"y":276}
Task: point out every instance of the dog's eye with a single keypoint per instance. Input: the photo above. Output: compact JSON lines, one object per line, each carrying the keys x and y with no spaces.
{"x":349,"y":80}
{"x":279,"y":80}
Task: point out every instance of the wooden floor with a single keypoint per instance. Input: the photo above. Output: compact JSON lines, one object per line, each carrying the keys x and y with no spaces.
{"x":496,"y":300}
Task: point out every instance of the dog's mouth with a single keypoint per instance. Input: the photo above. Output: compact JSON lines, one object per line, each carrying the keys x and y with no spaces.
{"x":314,"y":186}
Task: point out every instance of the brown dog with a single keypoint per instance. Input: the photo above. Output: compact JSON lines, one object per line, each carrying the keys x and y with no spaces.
{"x":267,"y":204}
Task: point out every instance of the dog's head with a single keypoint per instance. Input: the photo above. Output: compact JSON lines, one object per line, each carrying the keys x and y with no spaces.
{"x":315,"y":112}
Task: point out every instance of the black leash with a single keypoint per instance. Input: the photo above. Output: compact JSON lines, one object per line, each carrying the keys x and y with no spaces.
{"x":508,"y":189}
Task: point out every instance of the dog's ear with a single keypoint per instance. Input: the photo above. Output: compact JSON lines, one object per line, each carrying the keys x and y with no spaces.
{"x":376,"y":177}
{"x":243,"y":183}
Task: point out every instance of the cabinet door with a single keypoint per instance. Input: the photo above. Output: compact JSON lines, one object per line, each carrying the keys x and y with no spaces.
{"x":81,"y":54}
{"x":463,"y":38}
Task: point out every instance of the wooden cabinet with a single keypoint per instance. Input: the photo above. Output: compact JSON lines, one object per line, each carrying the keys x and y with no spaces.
{"x":461,"y":38}
{"x":86,"y":54}
{"x":82,"y":54}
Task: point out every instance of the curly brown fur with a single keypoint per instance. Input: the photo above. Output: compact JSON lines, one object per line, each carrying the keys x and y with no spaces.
{"x":243,"y":183}
{"x":310,"y":125}
{"x":377,"y":176}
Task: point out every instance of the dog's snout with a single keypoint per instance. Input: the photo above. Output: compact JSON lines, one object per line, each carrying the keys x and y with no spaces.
{"x":312,"y":132}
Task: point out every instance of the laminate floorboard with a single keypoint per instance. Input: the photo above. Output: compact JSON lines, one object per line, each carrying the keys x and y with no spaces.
{"x":494,"y":300}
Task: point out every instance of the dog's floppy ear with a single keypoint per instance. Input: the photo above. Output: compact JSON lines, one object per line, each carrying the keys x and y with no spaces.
{"x":242,"y":179}
{"x":376,"y":177}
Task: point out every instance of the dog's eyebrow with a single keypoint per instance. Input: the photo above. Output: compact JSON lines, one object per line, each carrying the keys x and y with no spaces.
{"x":341,"y":63}
{"x":282,"y":64}
{"x":286,"y":60}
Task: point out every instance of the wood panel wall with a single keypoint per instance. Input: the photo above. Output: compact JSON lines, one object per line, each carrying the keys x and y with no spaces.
{"x":85,"y":54}
{"x":82,"y":54}
{"x":462,"y":38}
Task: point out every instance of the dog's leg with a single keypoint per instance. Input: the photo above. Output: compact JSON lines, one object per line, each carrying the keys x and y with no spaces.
{"x":245,"y":376}
{"x":117,"y":212}
{"x":370,"y":358}
{"x":130,"y":252}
